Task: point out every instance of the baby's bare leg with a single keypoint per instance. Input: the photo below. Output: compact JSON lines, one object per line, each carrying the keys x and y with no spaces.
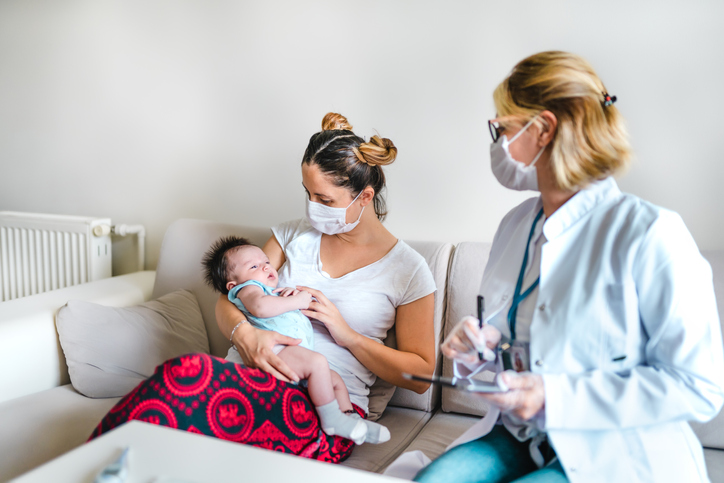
{"x":340,"y":392}
{"x":313,"y":367}
{"x":325,"y":389}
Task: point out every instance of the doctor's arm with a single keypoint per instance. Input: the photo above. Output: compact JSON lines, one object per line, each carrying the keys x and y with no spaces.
{"x":681,"y":372}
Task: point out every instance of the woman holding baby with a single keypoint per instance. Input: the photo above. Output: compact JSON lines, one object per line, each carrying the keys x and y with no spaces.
{"x":363,"y":279}
{"x":364,"y":283}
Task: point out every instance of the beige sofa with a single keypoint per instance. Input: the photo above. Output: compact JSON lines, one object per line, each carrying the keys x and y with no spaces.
{"x":42,"y":416}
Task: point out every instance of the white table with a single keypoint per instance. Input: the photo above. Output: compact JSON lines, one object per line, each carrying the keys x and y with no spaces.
{"x":157,"y":451}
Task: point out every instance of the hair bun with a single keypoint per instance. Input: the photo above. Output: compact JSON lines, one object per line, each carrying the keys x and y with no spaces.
{"x":335,"y":122}
{"x":377,"y":152}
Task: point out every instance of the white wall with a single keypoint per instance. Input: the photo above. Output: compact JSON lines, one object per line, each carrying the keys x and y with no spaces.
{"x":151,"y":111}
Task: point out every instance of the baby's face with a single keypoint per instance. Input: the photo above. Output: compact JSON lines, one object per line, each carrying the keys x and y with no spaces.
{"x":251,"y":263}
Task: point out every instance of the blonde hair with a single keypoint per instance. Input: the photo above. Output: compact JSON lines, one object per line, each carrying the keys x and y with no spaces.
{"x":349,"y":160}
{"x":590,"y":141}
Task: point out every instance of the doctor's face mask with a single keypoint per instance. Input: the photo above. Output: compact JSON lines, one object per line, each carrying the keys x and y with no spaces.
{"x":511,"y":173}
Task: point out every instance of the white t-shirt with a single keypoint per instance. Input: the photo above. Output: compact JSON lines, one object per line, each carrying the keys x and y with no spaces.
{"x":367,"y":298}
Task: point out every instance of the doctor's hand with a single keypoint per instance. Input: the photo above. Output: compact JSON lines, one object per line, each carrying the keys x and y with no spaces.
{"x":327,"y":313}
{"x":525,"y":396}
{"x":466,"y":339}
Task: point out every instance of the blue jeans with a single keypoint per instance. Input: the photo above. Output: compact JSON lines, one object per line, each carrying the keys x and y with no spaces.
{"x":495,"y":458}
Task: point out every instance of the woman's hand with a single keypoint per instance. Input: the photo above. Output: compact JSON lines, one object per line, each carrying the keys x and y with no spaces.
{"x":467,"y":339}
{"x":255,"y":347}
{"x":525,"y":396}
{"x":326,"y":312}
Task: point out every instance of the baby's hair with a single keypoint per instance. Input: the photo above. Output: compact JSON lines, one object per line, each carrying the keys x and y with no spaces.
{"x":216,"y":266}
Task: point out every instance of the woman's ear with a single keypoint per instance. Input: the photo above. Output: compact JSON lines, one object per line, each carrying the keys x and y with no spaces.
{"x":368,"y":194}
{"x":548,"y":125}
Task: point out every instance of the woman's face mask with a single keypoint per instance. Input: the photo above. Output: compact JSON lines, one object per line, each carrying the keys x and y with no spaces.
{"x":511,"y":173}
{"x":329,"y":220}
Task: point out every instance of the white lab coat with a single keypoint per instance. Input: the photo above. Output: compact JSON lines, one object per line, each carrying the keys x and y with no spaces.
{"x":625,"y":333}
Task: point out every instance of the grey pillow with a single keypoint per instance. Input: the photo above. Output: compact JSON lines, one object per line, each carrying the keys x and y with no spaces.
{"x":110,"y":350}
{"x":380,"y":394}
{"x":381,"y":391}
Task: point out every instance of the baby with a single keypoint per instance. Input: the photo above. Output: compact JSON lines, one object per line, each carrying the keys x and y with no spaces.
{"x":235,"y":267}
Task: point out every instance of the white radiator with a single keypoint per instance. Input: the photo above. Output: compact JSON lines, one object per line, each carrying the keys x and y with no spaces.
{"x":41,"y":252}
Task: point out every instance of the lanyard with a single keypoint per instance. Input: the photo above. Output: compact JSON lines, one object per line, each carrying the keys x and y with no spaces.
{"x":517,"y":296}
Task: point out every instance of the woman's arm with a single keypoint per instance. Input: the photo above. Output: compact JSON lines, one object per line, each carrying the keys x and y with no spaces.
{"x":415,"y":352}
{"x":274,"y":251}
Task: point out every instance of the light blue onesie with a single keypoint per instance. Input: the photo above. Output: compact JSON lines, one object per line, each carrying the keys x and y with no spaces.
{"x":292,"y":323}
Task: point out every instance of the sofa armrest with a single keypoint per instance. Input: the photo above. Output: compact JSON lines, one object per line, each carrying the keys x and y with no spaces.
{"x":31,"y":358}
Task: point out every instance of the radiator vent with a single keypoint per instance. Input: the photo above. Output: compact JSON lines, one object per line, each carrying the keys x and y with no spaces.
{"x":41,"y":252}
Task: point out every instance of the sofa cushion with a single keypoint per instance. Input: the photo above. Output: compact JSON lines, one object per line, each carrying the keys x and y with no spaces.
{"x":711,"y":434}
{"x":714,"y":464}
{"x":404,"y":425}
{"x":27,"y":326}
{"x":442,"y":429}
{"x":41,"y":426}
{"x":463,"y":286}
{"x":110,"y":350}
{"x":179,"y":267}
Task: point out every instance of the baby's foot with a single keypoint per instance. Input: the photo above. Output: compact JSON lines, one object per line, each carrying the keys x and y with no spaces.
{"x":376,"y":433}
{"x":335,"y":422}
{"x":347,"y":427}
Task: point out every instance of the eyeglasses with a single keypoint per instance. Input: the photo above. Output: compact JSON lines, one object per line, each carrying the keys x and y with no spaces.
{"x":495,"y":130}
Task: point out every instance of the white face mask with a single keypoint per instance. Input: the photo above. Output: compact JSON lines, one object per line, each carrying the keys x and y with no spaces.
{"x":329,"y":220}
{"x":511,"y":173}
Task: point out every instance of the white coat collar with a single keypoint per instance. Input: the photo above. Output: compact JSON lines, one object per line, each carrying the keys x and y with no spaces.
{"x":579,"y":206}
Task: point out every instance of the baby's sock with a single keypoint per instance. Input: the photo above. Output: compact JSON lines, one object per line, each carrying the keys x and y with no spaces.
{"x":334,"y":421}
{"x":376,"y":433}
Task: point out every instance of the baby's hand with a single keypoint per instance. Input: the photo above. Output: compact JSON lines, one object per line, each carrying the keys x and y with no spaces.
{"x":305,"y":298}
{"x":286,"y":291}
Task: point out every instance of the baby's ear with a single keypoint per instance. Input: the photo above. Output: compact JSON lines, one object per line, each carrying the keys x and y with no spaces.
{"x":230,"y":285}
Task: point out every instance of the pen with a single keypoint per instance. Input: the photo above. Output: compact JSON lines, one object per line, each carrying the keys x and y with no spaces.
{"x":481,"y":313}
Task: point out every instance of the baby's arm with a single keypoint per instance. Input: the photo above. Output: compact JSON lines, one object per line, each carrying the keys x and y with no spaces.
{"x":264,"y":306}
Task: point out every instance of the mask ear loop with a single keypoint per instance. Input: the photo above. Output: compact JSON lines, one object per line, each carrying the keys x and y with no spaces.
{"x":355,"y":199}
{"x":524,"y":128}
{"x":363,"y":208}
{"x":532,"y":163}
{"x":537,"y":156}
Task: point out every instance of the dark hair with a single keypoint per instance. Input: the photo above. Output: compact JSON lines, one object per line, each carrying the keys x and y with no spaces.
{"x":216,"y":266}
{"x":348,"y":160}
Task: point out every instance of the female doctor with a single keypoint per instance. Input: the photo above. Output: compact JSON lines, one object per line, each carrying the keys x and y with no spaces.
{"x":604,"y":297}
